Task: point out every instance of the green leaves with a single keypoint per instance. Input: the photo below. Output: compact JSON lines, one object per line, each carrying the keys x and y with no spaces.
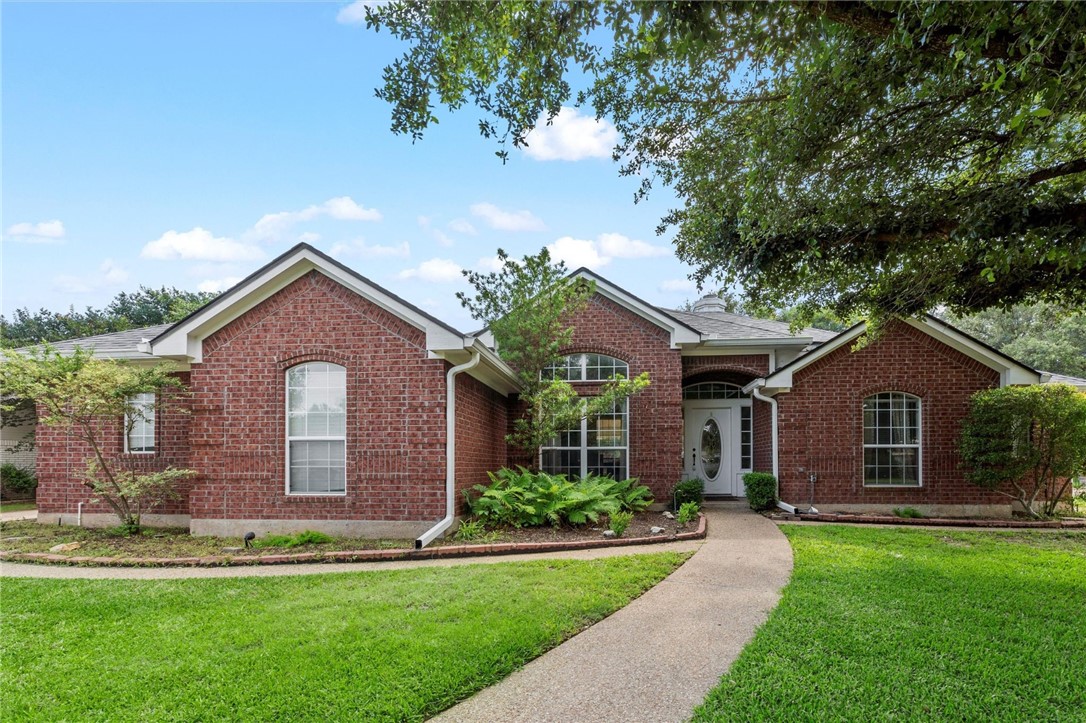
{"x":883,"y":159}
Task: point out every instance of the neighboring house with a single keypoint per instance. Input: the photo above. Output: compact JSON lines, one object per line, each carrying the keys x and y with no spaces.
{"x":321,"y":401}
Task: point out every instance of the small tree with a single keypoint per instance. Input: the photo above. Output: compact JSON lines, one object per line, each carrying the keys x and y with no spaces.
{"x":88,"y":397}
{"x":528,"y":305}
{"x":1030,"y":438}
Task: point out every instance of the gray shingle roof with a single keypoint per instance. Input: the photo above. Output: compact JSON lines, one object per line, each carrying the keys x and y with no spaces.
{"x":119,"y":343}
{"x":1065,"y":379}
{"x":723,"y":325}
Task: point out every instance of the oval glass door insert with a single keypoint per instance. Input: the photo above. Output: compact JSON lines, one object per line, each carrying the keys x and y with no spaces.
{"x":710,"y":449}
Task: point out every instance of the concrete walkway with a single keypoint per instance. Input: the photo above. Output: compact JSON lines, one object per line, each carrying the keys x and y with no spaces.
{"x":655,"y":659}
{"x":20,"y":515}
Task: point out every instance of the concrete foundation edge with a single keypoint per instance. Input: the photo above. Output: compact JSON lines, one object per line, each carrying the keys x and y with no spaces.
{"x":998,"y":511}
{"x":370,"y":529}
{"x":104,"y":519}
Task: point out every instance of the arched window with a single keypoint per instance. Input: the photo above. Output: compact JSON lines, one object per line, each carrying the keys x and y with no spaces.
{"x":595,"y":446}
{"x":317,"y":429}
{"x":586,"y":368}
{"x":714,"y":390}
{"x":892,"y":450}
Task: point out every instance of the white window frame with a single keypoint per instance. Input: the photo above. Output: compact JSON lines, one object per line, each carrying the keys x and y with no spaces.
{"x":289,"y":438}
{"x":621,"y":367}
{"x":584,"y":448}
{"x":141,"y":401}
{"x":918,"y":446}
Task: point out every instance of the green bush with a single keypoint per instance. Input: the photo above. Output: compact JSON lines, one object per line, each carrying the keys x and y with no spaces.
{"x":523,"y":498}
{"x":620,"y":521}
{"x":469,"y":530}
{"x":761,"y":490}
{"x":691,"y":490}
{"x":687,"y":512}
{"x":308,"y":537}
{"x":16,"y":479}
{"x":909,"y":513}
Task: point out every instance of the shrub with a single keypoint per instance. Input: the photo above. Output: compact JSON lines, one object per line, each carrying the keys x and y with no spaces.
{"x":761,"y":490}
{"x":1026,"y":443}
{"x":523,"y":498}
{"x":691,"y":490}
{"x":16,"y":479}
{"x":620,"y":521}
{"x":308,"y":537}
{"x":469,"y":530}
{"x":687,"y":512}
{"x":909,"y":513}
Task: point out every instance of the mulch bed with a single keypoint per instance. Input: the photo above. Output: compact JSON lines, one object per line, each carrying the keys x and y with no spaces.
{"x":936,"y":521}
{"x":519,"y":542}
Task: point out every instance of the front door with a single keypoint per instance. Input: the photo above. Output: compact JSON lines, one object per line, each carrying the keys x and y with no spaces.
{"x":710,"y":453}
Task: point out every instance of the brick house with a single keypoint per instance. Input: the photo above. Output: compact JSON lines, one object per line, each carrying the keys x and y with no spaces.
{"x":319,"y":400}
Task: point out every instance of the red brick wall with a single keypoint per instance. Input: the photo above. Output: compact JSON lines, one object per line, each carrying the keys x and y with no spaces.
{"x":655,"y":445}
{"x":395,"y":410}
{"x":821,"y":420}
{"x":61,"y":459}
{"x":481,"y":420}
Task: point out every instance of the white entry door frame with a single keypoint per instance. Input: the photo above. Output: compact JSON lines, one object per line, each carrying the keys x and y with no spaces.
{"x":712,"y":444}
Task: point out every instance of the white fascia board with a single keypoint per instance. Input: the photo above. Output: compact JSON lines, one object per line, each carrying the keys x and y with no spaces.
{"x":680,"y":333}
{"x":782,"y":379}
{"x":186,"y":339}
{"x":491,"y":369}
{"x":1010,"y":371}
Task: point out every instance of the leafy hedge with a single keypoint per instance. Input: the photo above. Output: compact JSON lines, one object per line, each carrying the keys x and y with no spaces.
{"x":691,"y":490}
{"x":761,"y":490}
{"x":17,"y":479}
{"x":523,"y":498}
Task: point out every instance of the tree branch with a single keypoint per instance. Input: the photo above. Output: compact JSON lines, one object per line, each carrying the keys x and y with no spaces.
{"x":1068,"y":168}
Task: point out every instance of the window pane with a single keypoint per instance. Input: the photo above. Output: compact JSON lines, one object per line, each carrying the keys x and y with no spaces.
{"x":892,"y":439}
{"x":317,"y":401}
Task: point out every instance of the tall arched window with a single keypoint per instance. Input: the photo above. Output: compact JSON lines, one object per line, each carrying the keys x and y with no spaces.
{"x":317,"y":429}
{"x":892,"y":451}
{"x":595,"y":446}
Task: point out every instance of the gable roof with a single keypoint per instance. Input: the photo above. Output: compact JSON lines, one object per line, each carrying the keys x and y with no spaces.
{"x":1011,"y":371}
{"x":681,"y":332}
{"x":185,"y":338}
{"x":725,"y":325}
{"x":115,"y":345}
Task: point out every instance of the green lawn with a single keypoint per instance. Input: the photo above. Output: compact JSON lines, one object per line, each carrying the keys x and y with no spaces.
{"x":388,"y":645}
{"x":18,"y":506}
{"x":907,"y":624}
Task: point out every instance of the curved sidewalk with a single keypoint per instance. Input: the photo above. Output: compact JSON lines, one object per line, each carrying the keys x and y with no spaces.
{"x":655,"y":659}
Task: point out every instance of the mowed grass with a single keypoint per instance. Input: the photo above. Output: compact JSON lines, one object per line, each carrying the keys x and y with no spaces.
{"x":908,"y":624}
{"x":387,"y":645}
{"x":18,"y":506}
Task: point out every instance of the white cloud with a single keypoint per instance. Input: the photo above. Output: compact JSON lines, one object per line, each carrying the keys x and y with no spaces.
{"x":199,"y":245}
{"x":571,"y":136}
{"x":677,"y":286}
{"x":309,"y":237}
{"x":109,"y":274}
{"x":507,"y":220}
{"x":361,"y":249}
{"x":601,"y":251}
{"x":490,"y":263}
{"x":41,"y":232}
{"x":434,"y":271}
{"x":355,"y":13}
{"x":214,"y":286}
{"x":577,"y":253}
{"x":618,"y":246}
{"x":442,"y":238}
{"x":274,"y":226}
{"x":460,"y":225}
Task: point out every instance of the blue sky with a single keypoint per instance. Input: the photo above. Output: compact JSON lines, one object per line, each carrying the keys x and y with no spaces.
{"x":186,"y":144}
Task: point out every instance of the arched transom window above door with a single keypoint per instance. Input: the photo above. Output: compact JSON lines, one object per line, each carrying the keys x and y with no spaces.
{"x":714,"y":390}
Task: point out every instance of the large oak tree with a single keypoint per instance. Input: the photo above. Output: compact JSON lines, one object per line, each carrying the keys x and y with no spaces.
{"x":882,"y":158}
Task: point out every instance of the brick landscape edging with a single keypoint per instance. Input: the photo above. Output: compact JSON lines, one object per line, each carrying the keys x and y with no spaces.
{"x":940,"y":521}
{"x":451,"y":551}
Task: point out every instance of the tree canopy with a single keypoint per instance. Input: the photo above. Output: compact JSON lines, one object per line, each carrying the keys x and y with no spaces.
{"x":881,"y":158}
{"x":145,"y":307}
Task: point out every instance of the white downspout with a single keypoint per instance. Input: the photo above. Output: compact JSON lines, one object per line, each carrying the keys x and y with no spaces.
{"x":756,"y":392}
{"x":450,"y":452}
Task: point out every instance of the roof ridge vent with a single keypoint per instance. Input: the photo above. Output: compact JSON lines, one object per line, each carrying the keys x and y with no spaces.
{"x":710,"y":303}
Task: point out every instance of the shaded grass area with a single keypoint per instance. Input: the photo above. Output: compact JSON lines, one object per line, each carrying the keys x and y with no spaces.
{"x":908,"y":624}
{"x":18,"y":506}
{"x":387,"y":645}
{"x":160,"y":542}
